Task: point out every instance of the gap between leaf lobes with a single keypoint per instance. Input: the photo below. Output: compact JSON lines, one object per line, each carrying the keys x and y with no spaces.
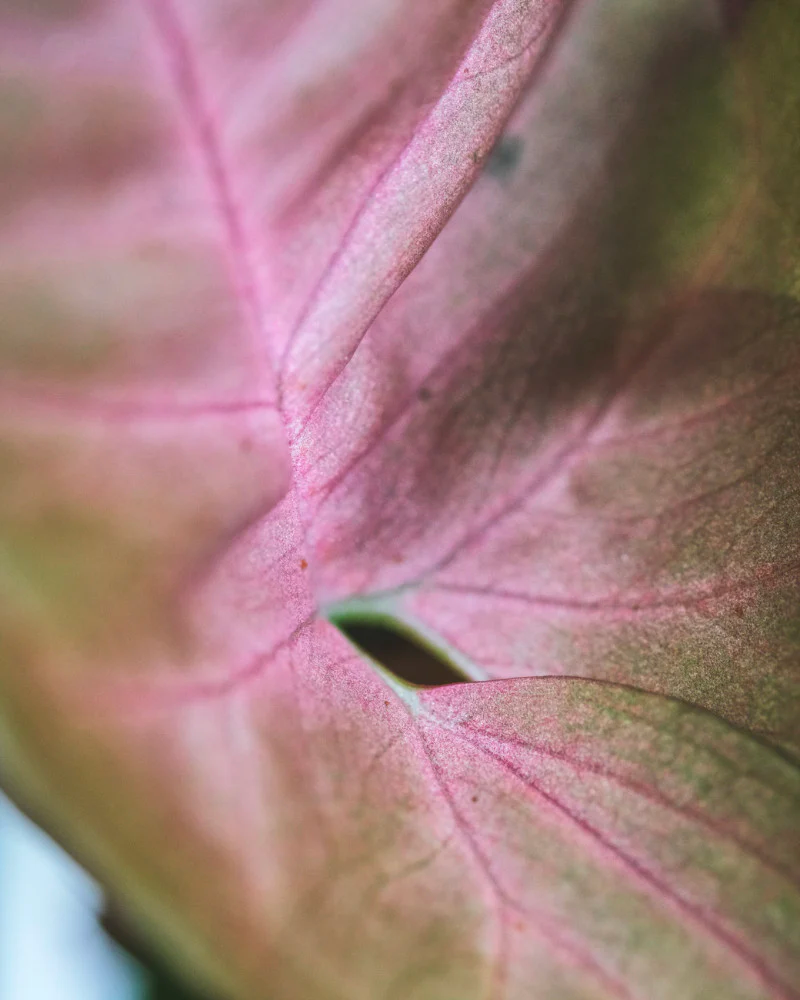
{"x":397,"y":650}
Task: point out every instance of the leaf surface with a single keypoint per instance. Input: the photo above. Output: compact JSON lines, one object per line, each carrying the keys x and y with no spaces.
{"x":479,"y":317}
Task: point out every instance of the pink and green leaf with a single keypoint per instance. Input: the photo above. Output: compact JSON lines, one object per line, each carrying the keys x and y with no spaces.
{"x":478,"y":318}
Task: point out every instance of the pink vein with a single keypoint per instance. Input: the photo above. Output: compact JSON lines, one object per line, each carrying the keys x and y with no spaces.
{"x":502,"y":900}
{"x":500,"y":967}
{"x":444,"y":363}
{"x":347,"y":236}
{"x":763,"y":738}
{"x":613,"y":609}
{"x":357,"y":130}
{"x":544,"y":514}
{"x":24,"y":402}
{"x":553,"y":16}
{"x":560,"y":459}
{"x":176,"y":45}
{"x":684,"y":423}
{"x":147,"y":695}
{"x":660,"y":888}
{"x":543,"y":476}
{"x":643,"y":791}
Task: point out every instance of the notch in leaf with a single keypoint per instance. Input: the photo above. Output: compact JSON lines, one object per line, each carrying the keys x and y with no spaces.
{"x":398,"y":651}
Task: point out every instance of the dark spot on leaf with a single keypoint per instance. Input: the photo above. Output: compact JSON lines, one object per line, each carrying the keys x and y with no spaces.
{"x":399,"y":653}
{"x":474,"y":798}
{"x":303,"y":564}
{"x":425,"y":395}
{"x":504,"y":157}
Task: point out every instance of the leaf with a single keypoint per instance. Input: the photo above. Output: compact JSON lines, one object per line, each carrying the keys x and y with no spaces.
{"x":476,"y":318}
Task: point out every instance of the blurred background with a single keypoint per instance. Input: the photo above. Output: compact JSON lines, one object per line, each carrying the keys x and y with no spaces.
{"x":53,"y":945}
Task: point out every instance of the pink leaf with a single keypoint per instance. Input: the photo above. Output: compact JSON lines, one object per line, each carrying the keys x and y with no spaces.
{"x":477,"y":319}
